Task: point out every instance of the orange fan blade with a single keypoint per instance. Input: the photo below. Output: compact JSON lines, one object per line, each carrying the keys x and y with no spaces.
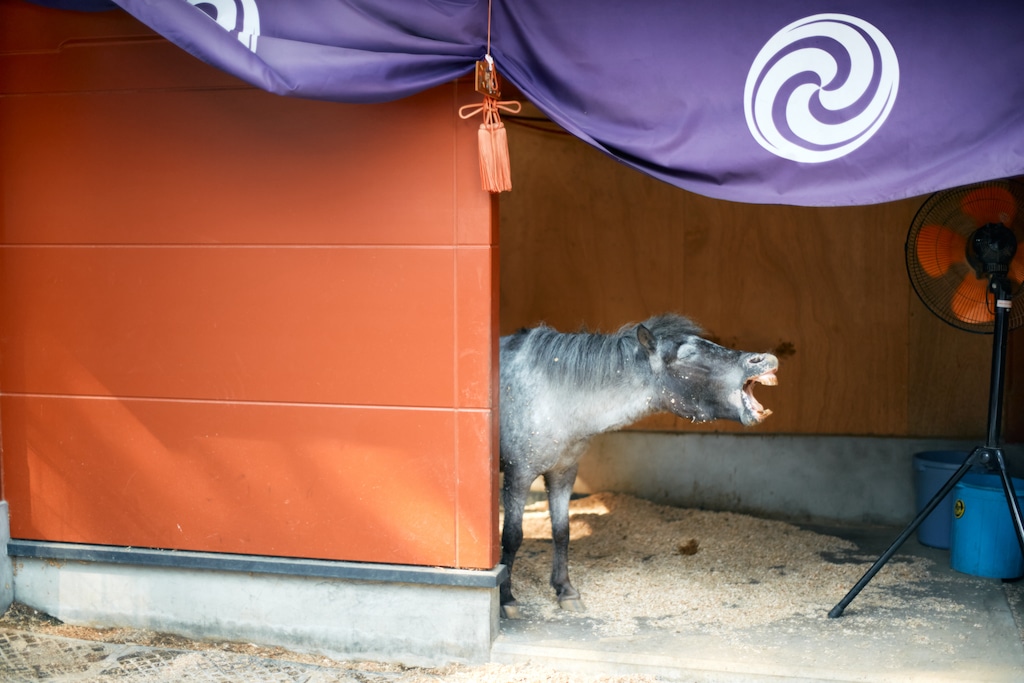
{"x":969,"y":302}
{"x":1017,"y":266}
{"x":990,"y":204}
{"x":938,"y":248}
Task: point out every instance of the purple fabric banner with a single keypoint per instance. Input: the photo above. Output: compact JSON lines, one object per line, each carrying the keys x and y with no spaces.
{"x":357,"y":51}
{"x":794,"y":101}
{"x":797,"y":102}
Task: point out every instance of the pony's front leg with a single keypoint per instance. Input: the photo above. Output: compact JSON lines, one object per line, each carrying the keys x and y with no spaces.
{"x":513,"y":498}
{"x":559,"y":485}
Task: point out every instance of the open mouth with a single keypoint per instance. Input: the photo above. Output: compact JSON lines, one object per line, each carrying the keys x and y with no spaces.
{"x":752,"y":404}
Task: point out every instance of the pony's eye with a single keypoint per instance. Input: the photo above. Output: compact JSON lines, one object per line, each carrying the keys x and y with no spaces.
{"x":686,"y":350}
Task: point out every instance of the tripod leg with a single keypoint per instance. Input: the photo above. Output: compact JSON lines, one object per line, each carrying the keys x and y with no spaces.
{"x":1011,"y":499}
{"x":837,"y":611}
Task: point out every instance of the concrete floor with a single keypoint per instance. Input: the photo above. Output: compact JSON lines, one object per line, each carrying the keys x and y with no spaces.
{"x":981,"y":640}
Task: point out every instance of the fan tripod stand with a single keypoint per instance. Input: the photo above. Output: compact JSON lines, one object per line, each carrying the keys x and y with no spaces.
{"x":990,"y":455}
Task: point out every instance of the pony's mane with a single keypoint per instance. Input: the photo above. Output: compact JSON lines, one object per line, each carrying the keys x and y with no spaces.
{"x":667,"y":326}
{"x":590,"y":359}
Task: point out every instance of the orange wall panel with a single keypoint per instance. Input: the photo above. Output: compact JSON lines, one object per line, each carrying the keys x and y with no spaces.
{"x":477,"y":518}
{"x":235,"y":322}
{"x":476,"y":285}
{"x":228,"y":166}
{"x":326,"y":482}
{"x":318,"y":325}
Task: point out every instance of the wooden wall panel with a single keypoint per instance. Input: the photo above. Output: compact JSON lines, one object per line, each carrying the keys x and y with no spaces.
{"x":587,"y":241}
{"x":1013,"y":424}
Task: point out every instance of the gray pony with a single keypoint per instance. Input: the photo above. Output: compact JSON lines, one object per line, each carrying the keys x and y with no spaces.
{"x":558,"y":390}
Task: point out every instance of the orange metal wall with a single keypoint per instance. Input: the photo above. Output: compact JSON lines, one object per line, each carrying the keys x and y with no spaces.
{"x":237,"y":322}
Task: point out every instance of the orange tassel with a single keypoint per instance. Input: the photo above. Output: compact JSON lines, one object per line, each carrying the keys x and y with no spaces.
{"x":495,"y":169}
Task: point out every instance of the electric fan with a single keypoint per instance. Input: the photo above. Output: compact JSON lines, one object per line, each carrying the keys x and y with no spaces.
{"x":958,"y":241}
{"x":963,"y":262}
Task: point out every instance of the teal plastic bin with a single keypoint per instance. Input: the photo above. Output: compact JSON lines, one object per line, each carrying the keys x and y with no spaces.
{"x":983,"y":541}
{"x":932,"y":469}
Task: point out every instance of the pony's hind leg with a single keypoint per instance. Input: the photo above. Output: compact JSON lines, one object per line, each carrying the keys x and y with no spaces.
{"x":513,"y":498}
{"x":559,"y":485}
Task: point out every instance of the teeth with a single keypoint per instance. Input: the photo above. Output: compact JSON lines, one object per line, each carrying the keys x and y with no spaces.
{"x":769,"y":379}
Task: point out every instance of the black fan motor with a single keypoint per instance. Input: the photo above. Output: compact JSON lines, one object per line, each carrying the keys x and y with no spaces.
{"x":991,"y":249}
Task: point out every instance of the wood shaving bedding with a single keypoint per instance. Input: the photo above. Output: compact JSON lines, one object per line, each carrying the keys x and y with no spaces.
{"x":639,"y":564}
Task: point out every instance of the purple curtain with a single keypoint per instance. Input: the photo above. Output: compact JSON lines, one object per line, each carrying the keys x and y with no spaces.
{"x":797,"y":102}
{"x":801,"y":102}
{"x":355,"y":51}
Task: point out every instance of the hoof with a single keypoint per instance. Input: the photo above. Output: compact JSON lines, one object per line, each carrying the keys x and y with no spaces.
{"x":511,"y":611}
{"x":572,"y":605}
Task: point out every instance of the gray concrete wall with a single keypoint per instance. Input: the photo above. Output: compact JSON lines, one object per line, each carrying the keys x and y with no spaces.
{"x":800,"y":478}
{"x":394,"y":621}
{"x":6,"y":568}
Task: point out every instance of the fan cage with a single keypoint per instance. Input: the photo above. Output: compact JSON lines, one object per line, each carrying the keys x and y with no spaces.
{"x":946,"y":283}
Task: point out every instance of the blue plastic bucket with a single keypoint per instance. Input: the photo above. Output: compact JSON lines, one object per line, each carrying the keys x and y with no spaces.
{"x":932,"y":469}
{"x":982,"y":539}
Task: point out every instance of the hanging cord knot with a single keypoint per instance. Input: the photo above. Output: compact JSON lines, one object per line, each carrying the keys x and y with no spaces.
{"x":490,"y":108}
{"x":495,"y":169}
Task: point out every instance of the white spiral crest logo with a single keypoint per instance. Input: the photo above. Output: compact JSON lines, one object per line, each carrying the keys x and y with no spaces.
{"x":820,"y":88}
{"x":241,"y":17}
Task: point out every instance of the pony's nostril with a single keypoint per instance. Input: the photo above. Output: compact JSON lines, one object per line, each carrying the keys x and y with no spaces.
{"x":755,"y":360}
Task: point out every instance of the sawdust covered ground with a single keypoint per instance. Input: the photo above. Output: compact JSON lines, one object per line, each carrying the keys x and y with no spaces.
{"x":638,"y":566}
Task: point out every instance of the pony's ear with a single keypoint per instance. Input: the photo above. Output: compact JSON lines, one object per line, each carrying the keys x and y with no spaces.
{"x":646,"y":339}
